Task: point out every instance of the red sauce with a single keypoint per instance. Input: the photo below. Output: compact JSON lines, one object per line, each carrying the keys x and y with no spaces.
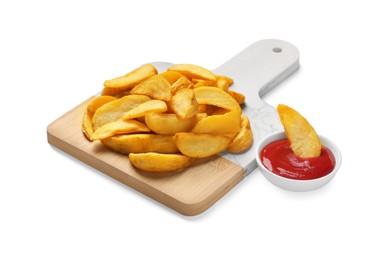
{"x":278,"y":157}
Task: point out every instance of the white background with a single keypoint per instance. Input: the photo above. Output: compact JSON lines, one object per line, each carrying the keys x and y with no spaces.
{"x":56,"y":54}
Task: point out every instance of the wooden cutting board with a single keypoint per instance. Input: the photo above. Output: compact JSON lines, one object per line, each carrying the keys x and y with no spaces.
{"x":255,"y":71}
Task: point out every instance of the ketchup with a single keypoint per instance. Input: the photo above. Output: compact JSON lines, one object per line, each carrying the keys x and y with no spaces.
{"x":280,"y":159}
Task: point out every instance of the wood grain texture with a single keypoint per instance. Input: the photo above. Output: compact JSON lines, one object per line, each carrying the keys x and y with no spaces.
{"x":189,"y":192}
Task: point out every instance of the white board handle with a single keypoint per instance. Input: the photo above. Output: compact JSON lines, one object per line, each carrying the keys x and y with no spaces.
{"x":256,"y":70}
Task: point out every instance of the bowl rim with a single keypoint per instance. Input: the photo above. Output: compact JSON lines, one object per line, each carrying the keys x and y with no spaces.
{"x":281,"y":135}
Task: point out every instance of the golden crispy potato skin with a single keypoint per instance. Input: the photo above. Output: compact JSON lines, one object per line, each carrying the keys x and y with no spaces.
{"x":172,"y":76}
{"x":132,"y":78}
{"x":156,"y":87}
{"x":169,"y":124}
{"x":244,"y":139}
{"x":201,"y":145}
{"x":87,"y":124}
{"x":304,"y":140}
{"x":157,"y":162}
{"x":119,"y":127}
{"x":114,"y":110}
{"x":240,"y":98}
{"x":141,"y":143}
{"x":184,"y":103}
{"x":193,"y":71}
{"x":216,"y":97}
{"x":228,"y":123}
{"x":181,"y":83}
{"x":98,"y":102}
{"x":94,"y":104}
{"x":151,"y":106}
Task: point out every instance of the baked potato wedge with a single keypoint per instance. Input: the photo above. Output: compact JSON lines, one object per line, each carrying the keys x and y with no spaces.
{"x":194,"y":71}
{"x":304,"y":140}
{"x":201,"y":145}
{"x":158,"y":162}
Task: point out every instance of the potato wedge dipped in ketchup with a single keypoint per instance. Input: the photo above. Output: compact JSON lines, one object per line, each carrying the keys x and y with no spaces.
{"x":301,"y":156}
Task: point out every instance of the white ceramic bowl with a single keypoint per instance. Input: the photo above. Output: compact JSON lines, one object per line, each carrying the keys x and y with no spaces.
{"x":297,"y":185}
